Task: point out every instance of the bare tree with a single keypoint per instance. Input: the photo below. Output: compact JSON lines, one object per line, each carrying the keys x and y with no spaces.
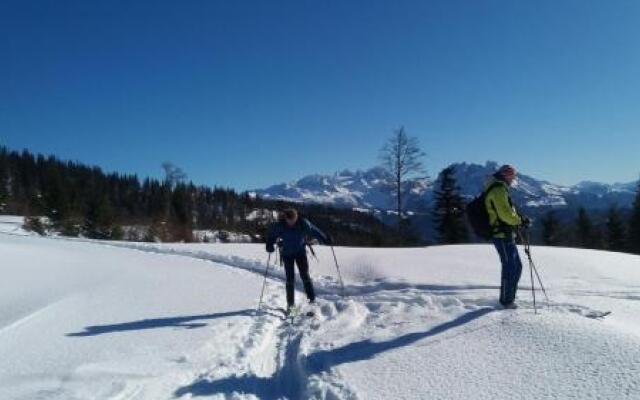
{"x":401,"y":158}
{"x":173,"y":174}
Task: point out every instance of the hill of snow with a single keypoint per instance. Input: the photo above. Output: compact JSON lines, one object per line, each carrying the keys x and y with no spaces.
{"x":366,"y":190}
{"x":97,"y":320}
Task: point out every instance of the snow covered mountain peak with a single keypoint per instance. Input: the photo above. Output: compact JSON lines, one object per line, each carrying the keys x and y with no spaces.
{"x":368,"y":189}
{"x":357,"y":189}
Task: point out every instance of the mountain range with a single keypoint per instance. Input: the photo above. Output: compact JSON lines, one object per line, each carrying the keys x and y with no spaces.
{"x":367,"y":190}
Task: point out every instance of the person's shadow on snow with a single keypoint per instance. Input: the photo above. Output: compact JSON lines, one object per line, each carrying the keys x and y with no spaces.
{"x":290,"y":380}
{"x":186,"y":322}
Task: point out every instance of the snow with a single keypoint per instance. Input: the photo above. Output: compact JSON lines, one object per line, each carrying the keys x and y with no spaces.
{"x":369,"y":189}
{"x":83,"y":319}
{"x":11,"y":224}
{"x":220,"y":236}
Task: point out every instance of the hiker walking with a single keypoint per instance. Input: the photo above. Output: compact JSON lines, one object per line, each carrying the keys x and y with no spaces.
{"x":291,"y":231}
{"x":504,"y":221}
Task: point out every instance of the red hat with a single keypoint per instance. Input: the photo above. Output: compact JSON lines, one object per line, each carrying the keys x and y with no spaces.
{"x":507,"y":171}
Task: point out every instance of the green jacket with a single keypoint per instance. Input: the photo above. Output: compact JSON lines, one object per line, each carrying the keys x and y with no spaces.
{"x":503,"y":217}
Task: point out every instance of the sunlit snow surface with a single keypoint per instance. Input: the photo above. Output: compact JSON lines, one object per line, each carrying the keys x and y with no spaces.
{"x":89,"y":320}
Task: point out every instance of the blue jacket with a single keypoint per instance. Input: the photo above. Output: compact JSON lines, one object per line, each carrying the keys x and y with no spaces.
{"x":293,"y":238}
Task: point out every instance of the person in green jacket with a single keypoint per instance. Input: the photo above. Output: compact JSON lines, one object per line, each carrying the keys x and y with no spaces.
{"x":505,"y":220}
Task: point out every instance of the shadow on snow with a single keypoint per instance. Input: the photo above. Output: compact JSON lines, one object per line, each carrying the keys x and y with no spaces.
{"x":381,"y":286}
{"x":187,"y":322}
{"x":365,"y":350}
{"x":290,"y":380}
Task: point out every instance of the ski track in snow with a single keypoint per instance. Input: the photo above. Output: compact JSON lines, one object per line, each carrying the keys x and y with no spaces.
{"x":264,"y":356}
{"x":25,"y":319}
{"x":305,"y":365}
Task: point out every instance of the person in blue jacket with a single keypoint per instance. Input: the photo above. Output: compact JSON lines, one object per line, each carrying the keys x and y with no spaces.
{"x":291,"y":233}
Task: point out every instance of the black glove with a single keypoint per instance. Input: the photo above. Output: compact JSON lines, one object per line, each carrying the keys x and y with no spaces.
{"x":270,"y":248}
{"x":526,"y":221}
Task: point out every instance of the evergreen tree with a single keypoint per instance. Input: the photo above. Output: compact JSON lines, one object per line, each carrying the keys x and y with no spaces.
{"x":634,"y":225}
{"x":34,"y":224}
{"x":56,"y":198}
{"x":181,"y":214}
{"x":585,"y":232}
{"x":4,"y":184}
{"x":448,"y":212}
{"x":100,"y":220}
{"x":551,"y":229}
{"x":599,"y":237}
{"x":408,"y":235}
{"x":83,"y":199}
{"x":615,"y":230}
{"x":71,"y":225}
{"x":158,"y":232}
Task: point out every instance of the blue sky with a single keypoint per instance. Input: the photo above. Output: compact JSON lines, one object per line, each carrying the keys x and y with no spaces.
{"x":250,"y":93}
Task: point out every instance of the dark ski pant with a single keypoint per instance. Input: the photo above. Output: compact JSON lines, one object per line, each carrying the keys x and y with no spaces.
{"x":303,"y":268}
{"x":511,"y":269}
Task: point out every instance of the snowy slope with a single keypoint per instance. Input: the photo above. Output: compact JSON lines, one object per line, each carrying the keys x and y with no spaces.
{"x":366,"y":190}
{"x":90,"y":320}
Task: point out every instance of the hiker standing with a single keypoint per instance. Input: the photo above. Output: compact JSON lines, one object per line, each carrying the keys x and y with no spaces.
{"x":291,"y":231}
{"x":504,"y":221}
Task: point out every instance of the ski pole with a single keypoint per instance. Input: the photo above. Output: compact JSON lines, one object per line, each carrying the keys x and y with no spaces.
{"x":533,"y":291}
{"x":527,"y":251}
{"x":313,"y":253}
{"x":338,"y":269}
{"x":533,"y":265}
{"x":540,"y":282}
{"x":264,"y":282}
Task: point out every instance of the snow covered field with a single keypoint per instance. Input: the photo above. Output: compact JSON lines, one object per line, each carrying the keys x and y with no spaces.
{"x":95,"y":320}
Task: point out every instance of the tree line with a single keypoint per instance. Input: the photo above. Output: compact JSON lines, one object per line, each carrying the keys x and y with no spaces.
{"x":80,"y":200}
{"x":617,"y":230}
{"x":401,"y":155}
